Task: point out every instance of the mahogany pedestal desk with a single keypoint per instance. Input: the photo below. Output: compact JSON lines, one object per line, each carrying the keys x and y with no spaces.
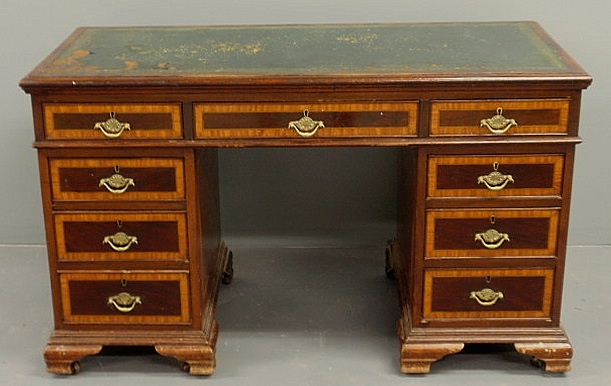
{"x":128,"y":122}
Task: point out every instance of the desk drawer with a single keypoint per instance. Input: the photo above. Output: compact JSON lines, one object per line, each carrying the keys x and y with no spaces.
{"x":113,"y":121}
{"x":125,"y":298}
{"x":117,"y":179}
{"x":495,"y":176}
{"x":479,"y":294}
{"x":499,"y":117}
{"x":491,"y":233}
{"x":266,"y":120}
{"x":92,"y":236}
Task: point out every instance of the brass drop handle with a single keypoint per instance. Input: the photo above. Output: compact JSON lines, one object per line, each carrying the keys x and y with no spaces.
{"x":492,"y":239}
{"x":120,"y":241}
{"x":498,"y":124}
{"x":112,"y":127}
{"x":124,"y":302}
{"x":486,"y":297}
{"x":116,"y":184}
{"x":306,"y":126}
{"x":495,"y":180}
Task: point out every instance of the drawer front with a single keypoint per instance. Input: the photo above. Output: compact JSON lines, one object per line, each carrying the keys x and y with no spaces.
{"x":491,"y":233}
{"x":488,"y":294}
{"x":121,"y":236}
{"x":113,"y":121}
{"x":265,"y":120}
{"x":117,"y":179}
{"x":495,"y":176}
{"x":499,"y":117}
{"x":125,"y":298}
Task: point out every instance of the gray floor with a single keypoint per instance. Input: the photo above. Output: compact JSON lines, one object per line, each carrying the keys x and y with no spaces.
{"x":304,"y":317}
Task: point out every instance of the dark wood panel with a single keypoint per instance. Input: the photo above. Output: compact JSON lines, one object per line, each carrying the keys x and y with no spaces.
{"x":90,"y":297}
{"x":80,"y":121}
{"x":527,"y":175}
{"x":452,"y":294}
{"x":459,"y":233}
{"x":523,"y":117}
{"x":245,"y":120}
{"x":153,"y":236}
{"x":148,"y":179}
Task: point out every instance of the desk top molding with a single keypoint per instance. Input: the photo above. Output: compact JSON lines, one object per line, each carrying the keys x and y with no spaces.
{"x":306,"y":54}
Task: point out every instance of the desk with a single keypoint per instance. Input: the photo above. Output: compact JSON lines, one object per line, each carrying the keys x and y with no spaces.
{"x":128,"y":122}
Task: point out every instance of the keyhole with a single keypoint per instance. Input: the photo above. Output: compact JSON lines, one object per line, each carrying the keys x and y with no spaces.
{"x":123,"y":283}
{"x":492,"y":219}
{"x":488,"y":279}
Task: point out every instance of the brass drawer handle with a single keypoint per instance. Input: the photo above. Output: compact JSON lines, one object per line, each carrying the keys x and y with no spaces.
{"x":116,"y":184}
{"x":306,"y":126}
{"x":495,"y":180}
{"x":486,"y":297}
{"x":492,"y":239}
{"x":124,"y":302}
{"x":120,"y":241}
{"x":112,"y":127}
{"x":498,"y":124}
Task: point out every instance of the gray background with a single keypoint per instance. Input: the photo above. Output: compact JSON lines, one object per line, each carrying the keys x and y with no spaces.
{"x":297,"y":196}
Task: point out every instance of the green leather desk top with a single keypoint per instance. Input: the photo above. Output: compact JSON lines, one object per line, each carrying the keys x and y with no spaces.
{"x":439,"y":49}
